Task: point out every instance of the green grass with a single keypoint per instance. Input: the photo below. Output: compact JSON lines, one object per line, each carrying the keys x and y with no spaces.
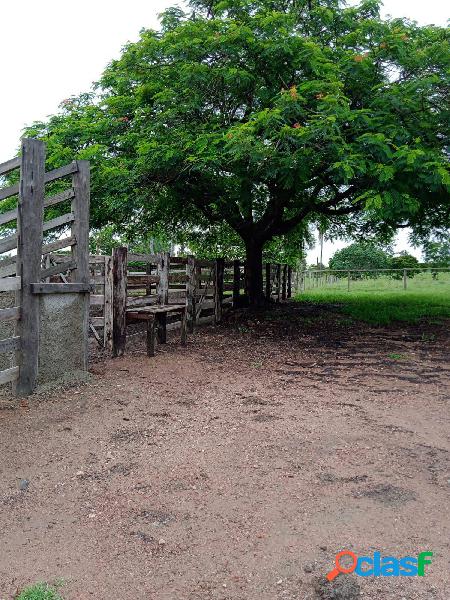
{"x":382,"y":306}
{"x":39,"y":591}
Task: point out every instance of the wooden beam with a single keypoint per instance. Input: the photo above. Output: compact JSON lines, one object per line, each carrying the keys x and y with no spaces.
{"x":190,"y":294}
{"x":58,"y":221}
{"x":268,"y":280}
{"x":69,"y":265}
{"x":108,"y":304}
{"x":29,"y":252}
{"x":10,"y":284}
{"x":154,"y":259}
{"x":59,"y":245}
{"x":284,"y":283}
{"x":10,"y":314}
{"x":218,"y":289}
{"x":11,"y":215}
{"x":61,"y":172}
{"x":119,"y":301}
{"x":7,"y":192}
{"x":60,"y":288}
{"x":289,"y":282}
{"x":9,"y":165}
{"x":80,"y":230}
{"x":236,"y":283}
{"x":9,"y":375}
{"x":10,"y":344}
{"x":163,"y":273}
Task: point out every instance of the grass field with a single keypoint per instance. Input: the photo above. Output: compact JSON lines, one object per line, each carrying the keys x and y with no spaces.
{"x":383,"y":300}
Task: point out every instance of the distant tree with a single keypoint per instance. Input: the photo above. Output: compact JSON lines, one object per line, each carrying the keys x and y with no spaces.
{"x":404,"y":261}
{"x":437,"y":253}
{"x":265,"y":115}
{"x":360,"y":256}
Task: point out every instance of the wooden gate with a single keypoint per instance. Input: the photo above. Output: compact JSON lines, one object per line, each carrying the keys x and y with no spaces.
{"x":27,"y":274}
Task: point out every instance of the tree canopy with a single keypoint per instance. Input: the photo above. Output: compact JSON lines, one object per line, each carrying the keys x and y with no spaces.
{"x":257,"y":117}
{"x":360,"y":255}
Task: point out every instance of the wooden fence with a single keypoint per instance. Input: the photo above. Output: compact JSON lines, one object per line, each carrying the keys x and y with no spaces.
{"x":207,"y":287}
{"x":27,"y":273}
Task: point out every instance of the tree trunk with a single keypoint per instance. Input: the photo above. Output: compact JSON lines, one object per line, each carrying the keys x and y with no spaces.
{"x":254,"y":273}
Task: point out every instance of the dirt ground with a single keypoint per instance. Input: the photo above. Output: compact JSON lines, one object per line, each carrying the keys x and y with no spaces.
{"x":235,"y":468}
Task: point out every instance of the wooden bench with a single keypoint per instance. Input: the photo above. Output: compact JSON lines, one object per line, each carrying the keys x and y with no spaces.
{"x":156,"y":318}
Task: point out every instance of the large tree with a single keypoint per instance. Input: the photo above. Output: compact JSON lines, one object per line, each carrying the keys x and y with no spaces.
{"x":266,"y":115}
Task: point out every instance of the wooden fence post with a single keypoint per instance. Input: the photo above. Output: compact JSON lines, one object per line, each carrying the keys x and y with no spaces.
{"x":348,"y":281}
{"x":163,"y":273}
{"x":268,"y":281}
{"x":191,"y":291}
{"x":119,"y":259}
{"x":278,"y":280}
{"x":236,"y":283}
{"x":289,"y":282}
{"x":218,"y":289}
{"x":29,"y":255}
{"x":284,"y":283}
{"x":80,"y":230}
{"x":405,"y":276}
{"x":108,"y":304}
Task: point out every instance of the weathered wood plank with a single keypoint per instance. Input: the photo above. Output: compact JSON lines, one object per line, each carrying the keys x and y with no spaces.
{"x":59,"y":245}
{"x":7,"y":192}
{"x":191,"y":293}
{"x":154,"y":259}
{"x":178,"y":260}
{"x":60,"y":288}
{"x":268,"y":280}
{"x":8,"y":243}
{"x":97,"y":300}
{"x":236,"y":283}
{"x":9,"y":270}
{"x":133,"y":301}
{"x":10,"y":284}
{"x":58,"y":198}
{"x":57,"y":269}
{"x":108,"y":304}
{"x":178,"y":277}
{"x":142,"y":280}
{"x":218,"y":289}
{"x":119,"y":301}
{"x":10,"y":344}
{"x":61,"y":172}
{"x":151,"y":337}
{"x":9,"y":165}
{"x":163,"y":273}
{"x":9,"y":375}
{"x":58,"y":222}
{"x":10,"y":314}
{"x":98,"y":321}
{"x":11,"y":215}
{"x":284,"y":283}
{"x":289,"y":282}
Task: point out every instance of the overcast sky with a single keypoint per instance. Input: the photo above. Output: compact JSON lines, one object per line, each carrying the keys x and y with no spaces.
{"x":52,"y":50}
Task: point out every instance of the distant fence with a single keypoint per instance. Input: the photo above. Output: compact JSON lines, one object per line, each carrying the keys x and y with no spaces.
{"x":371,"y":279}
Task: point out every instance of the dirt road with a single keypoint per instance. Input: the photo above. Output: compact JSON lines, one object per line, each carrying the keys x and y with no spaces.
{"x":236,"y":468}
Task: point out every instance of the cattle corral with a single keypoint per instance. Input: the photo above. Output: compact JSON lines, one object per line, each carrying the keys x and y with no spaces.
{"x":231,"y":469}
{"x":61,"y":295}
